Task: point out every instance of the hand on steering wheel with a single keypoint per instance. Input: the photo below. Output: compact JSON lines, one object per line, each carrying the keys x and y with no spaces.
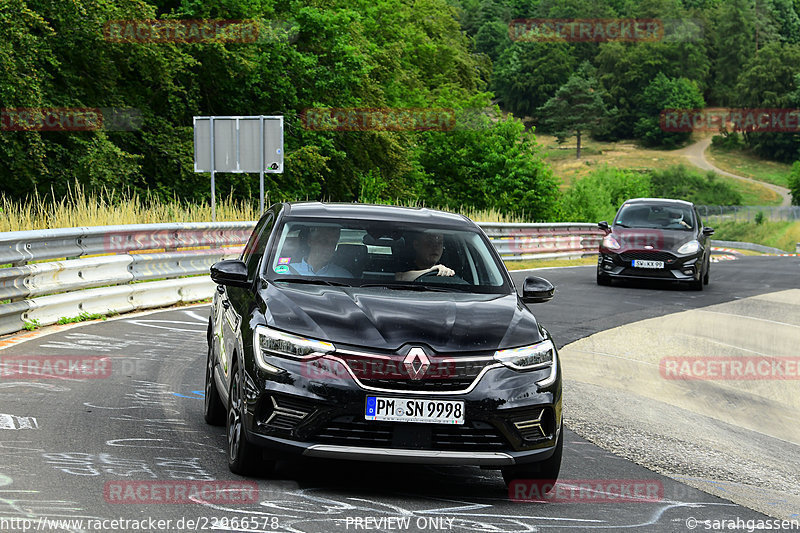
{"x":438,"y":270}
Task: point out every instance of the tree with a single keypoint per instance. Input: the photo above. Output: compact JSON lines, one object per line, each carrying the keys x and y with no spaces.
{"x":665,"y":93}
{"x":489,"y":163}
{"x":734,"y":40}
{"x":528,"y":73}
{"x":577,"y":107}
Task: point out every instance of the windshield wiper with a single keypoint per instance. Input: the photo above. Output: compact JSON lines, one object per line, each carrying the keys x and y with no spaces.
{"x":418,"y":287}
{"x":313,"y":281}
{"x":403,"y":287}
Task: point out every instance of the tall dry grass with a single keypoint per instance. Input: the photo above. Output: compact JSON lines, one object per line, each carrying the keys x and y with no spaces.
{"x":81,"y":208}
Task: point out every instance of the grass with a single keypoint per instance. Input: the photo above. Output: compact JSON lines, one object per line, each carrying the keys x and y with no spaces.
{"x":546,"y":263}
{"x":628,"y":154}
{"x":84,"y":317}
{"x":744,"y":163}
{"x":752,"y":193}
{"x":782,"y":235}
{"x":622,"y":154}
{"x":81,"y":208}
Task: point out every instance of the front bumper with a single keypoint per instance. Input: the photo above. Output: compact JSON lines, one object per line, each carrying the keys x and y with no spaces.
{"x":676,"y":267}
{"x":509,"y":419}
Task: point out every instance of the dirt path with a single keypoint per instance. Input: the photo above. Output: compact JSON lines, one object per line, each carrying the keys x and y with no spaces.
{"x":695,"y":153}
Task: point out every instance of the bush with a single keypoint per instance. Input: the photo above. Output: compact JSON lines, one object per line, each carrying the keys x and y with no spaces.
{"x":598,"y":196}
{"x":727,"y":141}
{"x":683,"y":184}
{"x":794,"y":183}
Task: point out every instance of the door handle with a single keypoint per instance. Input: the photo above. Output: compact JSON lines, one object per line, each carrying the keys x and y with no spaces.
{"x":221,"y":289}
{"x":226,"y":304}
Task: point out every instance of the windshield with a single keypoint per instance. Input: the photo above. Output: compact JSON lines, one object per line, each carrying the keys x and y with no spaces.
{"x":655,"y":216}
{"x":383,"y":254}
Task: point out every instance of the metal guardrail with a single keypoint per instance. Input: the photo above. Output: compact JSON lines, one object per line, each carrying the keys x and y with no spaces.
{"x":110,"y":269}
{"x":748,"y":213}
{"x":748,"y":246}
{"x":543,"y":241}
{"x":98,"y":269}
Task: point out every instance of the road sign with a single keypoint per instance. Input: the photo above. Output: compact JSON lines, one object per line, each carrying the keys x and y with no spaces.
{"x":238,"y":144}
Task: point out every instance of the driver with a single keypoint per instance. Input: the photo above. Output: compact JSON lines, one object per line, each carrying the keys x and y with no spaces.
{"x":676,"y":217}
{"x":428,"y":248}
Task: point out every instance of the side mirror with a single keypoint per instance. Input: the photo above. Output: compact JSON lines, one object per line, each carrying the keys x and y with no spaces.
{"x":230,"y":272}
{"x":536,"y":290}
{"x":603,"y":225}
{"x":708,"y":231}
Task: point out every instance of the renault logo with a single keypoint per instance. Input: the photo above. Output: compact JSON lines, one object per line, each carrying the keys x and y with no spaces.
{"x":416,"y":363}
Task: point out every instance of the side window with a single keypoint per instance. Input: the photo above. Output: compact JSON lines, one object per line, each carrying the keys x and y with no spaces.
{"x":254,"y":249}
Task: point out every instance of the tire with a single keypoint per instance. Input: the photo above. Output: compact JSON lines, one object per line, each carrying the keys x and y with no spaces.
{"x":706,"y":276}
{"x":213,"y":410}
{"x":243,"y":456}
{"x":545,"y":471}
{"x":603,"y":280}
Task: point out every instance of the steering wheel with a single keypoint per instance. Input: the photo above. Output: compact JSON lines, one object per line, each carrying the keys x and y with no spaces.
{"x":445,"y":280}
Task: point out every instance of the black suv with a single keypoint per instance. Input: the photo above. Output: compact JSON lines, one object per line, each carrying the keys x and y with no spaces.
{"x":380,"y":333}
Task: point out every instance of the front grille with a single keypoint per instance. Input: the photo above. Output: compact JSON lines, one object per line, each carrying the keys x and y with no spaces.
{"x":444,"y":373}
{"x":648,"y":256}
{"x":347,"y":431}
{"x":471,"y":436}
{"x":647,"y":273}
{"x":449,"y":385}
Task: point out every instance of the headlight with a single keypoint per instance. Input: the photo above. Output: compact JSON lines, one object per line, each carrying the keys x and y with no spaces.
{"x":271,"y":342}
{"x":610,"y":243}
{"x":527,"y":357}
{"x":533,"y":357}
{"x":690,"y":247}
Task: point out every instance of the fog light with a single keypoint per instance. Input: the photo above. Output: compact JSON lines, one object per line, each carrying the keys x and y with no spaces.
{"x":608,"y":267}
{"x":688,"y":271}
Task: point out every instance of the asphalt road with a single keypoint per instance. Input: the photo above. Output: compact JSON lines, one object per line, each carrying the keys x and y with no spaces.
{"x":67,"y":445}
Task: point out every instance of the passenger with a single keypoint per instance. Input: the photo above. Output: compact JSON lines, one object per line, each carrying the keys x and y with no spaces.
{"x":322,"y":243}
{"x":428,"y":248}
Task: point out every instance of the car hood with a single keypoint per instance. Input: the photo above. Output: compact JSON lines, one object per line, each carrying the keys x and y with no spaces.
{"x":659,"y":239}
{"x":387,"y":319}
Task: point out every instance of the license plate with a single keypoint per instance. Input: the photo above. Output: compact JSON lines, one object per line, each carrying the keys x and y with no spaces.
{"x":638,"y":263}
{"x":414,"y":410}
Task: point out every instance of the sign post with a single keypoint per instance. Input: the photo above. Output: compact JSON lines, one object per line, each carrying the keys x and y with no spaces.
{"x":238,"y":144}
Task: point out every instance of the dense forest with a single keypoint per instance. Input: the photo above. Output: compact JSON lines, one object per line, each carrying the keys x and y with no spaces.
{"x":444,"y":54}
